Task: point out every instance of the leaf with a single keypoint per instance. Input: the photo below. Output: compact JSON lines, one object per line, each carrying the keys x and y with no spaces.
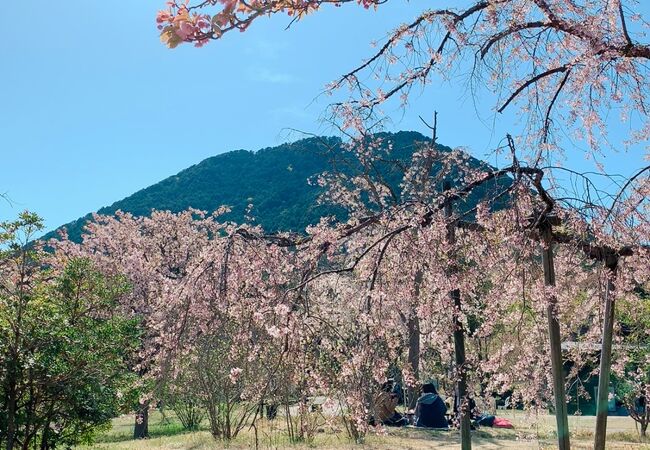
{"x":169,"y":37}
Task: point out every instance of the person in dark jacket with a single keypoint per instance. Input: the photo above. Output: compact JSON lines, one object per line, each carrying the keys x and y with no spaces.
{"x":430,"y":409}
{"x":477,"y":417}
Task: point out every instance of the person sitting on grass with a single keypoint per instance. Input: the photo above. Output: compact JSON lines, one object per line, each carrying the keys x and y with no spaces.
{"x":385,"y":404}
{"x":430,"y":408}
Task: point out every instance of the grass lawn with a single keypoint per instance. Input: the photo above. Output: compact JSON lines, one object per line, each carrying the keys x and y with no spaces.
{"x":531,"y":432}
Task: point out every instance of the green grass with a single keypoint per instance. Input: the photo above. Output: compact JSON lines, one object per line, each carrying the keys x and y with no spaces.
{"x":531,"y":432}
{"x":159,"y":426}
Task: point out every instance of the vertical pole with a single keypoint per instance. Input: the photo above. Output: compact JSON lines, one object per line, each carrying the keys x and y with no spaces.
{"x":413,"y":326}
{"x":413,"y":358}
{"x":555,"y":340}
{"x":605,"y":357}
{"x":459,"y":344}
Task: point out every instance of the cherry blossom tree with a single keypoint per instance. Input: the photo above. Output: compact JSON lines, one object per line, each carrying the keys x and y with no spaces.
{"x":577,"y":232}
{"x":259,"y":317}
{"x":155,"y":254}
{"x":209,"y":300}
{"x":566,"y":64}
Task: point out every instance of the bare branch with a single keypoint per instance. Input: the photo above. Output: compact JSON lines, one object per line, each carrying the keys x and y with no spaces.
{"x":530,"y":82}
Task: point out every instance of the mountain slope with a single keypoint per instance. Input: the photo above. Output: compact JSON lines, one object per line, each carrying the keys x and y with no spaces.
{"x":273,"y":180}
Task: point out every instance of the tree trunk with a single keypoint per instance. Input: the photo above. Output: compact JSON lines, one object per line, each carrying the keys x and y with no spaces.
{"x":459,"y":344}
{"x":561,"y":416}
{"x":141,"y":429}
{"x":45,"y":436}
{"x":605,"y":358}
{"x":11,"y":423}
{"x":12,"y":402}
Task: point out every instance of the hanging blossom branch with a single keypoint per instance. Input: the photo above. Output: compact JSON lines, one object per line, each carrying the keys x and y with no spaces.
{"x":198,"y":23}
{"x":573,"y":61}
{"x":585,"y":242}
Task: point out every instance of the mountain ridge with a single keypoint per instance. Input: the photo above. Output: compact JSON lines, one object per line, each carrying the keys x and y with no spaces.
{"x":272,"y":179}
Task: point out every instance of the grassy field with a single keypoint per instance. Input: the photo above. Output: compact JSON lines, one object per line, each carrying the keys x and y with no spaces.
{"x":531,"y":432}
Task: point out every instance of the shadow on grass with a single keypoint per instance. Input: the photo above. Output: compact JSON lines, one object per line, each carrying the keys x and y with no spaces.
{"x":155,"y":431}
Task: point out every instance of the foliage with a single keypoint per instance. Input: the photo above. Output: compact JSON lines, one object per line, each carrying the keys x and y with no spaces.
{"x":409,"y":270}
{"x":181,"y":395}
{"x":632,"y":370}
{"x":252,"y":317}
{"x":63,"y":346}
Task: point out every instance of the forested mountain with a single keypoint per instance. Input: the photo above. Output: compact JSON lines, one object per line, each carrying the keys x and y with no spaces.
{"x":273,"y":180}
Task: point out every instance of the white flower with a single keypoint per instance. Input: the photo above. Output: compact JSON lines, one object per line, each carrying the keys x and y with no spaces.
{"x":235,"y":372}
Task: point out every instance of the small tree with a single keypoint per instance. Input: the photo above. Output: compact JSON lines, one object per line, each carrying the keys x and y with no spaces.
{"x":632,"y":376}
{"x":63,"y":347}
{"x":229,"y":380}
{"x":182,"y":395}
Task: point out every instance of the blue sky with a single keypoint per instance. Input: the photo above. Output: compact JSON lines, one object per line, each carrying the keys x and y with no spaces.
{"x":93,"y":107}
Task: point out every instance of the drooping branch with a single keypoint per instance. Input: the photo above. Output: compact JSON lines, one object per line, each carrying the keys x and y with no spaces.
{"x":508,"y":31}
{"x":624,"y":188}
{"x":547,"y":117}
{"x":530,"y":82}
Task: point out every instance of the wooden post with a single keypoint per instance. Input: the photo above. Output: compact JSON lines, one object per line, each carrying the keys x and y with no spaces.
{"x":555,"y":340}
{"x":459,"y":352}
{"x":413,"y":359}
{"x":413,"y":326}
{"x":459,"y":344}
{"x":605,"y":356}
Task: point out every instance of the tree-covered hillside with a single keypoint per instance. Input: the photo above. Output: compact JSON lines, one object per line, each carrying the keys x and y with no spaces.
{"x":273,"y":180}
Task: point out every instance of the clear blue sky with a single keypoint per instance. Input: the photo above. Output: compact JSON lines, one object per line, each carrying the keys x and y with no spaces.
{"x":93,"y":107}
